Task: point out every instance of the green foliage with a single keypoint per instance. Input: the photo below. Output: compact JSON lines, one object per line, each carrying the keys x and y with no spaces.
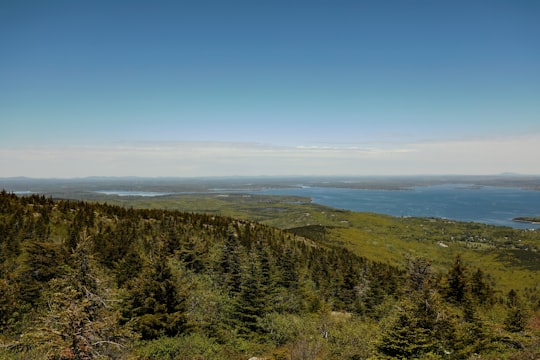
{"x":154,"y":305}
{"x":419,"y":325}
{"x":352,"y":339}
{"x":406,"y":339}
{"x":230,"y":264}
{"x":283,"y":328}
{"x":188,"y":347}
{"x":481,"y":289}
{"x":78,"y":322}
{"x":128,"y":267}
{"x":425,"y":324}
{"x":516,"y":318}
{"x":8,"y":303}
{"x":456,"y":289}
{"x":253,"y":300}
{"x":87,"y":280}
{"x":40,"y":262}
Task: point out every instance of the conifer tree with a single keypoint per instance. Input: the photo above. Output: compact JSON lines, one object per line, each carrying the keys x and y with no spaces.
{"x":288,"y":266}
{"x":192,"y":251}
{"x":41,"y":262}
{"x":456,"y":289}
{"x":269,"y":274}
{"x":481,"y":290}
{"x":8,"y":303}
{"x":251,"y":303}
{"x":230,"y":263}
{"x":128,"y":267}
{"x":154,"y":305}
{"x":419,"y":274}
{"x":407,"y":337}
{"x":471,"y":334}
{"x":79,"y":321}
{"x":420,"y":325}
{"x":515,"y":319}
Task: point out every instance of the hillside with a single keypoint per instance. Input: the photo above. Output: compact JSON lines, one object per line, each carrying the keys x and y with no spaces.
{"x":82,"y":280}
{"x":510,"y":254}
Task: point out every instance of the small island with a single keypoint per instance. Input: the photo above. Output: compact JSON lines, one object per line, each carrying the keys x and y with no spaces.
{"x":528,"y":219}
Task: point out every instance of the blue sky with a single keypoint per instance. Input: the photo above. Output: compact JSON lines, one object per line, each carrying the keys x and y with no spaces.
{"x":199,"y":88}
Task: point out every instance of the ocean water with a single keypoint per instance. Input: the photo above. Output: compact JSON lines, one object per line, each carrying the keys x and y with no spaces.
{"x":484,"y":204}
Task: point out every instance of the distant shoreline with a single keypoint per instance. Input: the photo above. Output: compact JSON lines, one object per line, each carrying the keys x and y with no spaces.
{"x":529,"y":220}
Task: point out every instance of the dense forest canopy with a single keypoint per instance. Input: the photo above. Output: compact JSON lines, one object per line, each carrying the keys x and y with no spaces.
{"x":81,"y":280}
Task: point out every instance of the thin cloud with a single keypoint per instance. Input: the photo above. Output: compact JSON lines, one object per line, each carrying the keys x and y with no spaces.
{"x":469,"y":156}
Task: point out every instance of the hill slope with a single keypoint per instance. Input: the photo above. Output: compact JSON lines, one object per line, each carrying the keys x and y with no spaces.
{"x":83,"y":280}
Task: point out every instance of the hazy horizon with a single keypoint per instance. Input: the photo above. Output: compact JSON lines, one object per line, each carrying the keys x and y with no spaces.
{"x":248,"y":88}
{"x":452,"y":176}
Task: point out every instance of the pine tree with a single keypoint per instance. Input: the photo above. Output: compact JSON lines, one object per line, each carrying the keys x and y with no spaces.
{"x":251,"y":303}
{"x":420,"y":325}
{"x":481,"y":290}
{"x":407,"y":337}
{"x":516,"y":318}
{"x":456,"y":289}
{"x":128,"y":267}
{"x":79,"y":321}
{"x":41,"y":262}
{"x":419,"y":274}
{"x":154,"y":306}
{"x":192,"y":251}
{"x":288,"y":266}
{"x":8,"y":303}
{"x":230,"y":263}
{"x":471,"y":334}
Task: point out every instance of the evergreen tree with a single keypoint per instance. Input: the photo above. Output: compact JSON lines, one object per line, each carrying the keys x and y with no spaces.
{"x":481,"y":290}
{"x":154,"y":305}
{"x":79,"y":321}
{"x":251,"y":303}
{"x":457,"y":281}
{"x":420,"y":326}
{"x":230,"y":264}
{"x":8,"y":303}
{"x":192,"y":251}
{"x":128,"y":267}
{"x":419,"y":274}
{"x":471,"y":334}
{"x":41,"y":262}
{"x":288,"y":266}
{"x":515,"y":319}
{"x":407,"y":337}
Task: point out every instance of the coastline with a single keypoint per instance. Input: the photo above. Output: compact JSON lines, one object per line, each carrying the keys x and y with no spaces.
{"x":534,"y":221}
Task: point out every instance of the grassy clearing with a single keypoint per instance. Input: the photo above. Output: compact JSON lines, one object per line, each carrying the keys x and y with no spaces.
{"x":501,"y":252}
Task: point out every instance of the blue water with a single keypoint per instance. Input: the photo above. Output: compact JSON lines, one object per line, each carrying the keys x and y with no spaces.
{"x":486,"y":204}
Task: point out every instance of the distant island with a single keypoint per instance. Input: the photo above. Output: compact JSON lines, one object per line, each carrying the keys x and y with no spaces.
{"x":528,"y":219}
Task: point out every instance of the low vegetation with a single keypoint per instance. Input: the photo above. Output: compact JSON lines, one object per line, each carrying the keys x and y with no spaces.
{"x":87,"y":280}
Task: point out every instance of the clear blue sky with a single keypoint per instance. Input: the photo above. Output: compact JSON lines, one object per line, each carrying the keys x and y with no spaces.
{"x":188,"y":88}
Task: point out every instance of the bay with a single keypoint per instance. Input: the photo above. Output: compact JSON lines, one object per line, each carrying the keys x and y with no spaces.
{"x":483,"y":204}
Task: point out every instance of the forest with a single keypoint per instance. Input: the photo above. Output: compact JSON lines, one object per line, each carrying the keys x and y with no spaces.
{"x":90,"y":280}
